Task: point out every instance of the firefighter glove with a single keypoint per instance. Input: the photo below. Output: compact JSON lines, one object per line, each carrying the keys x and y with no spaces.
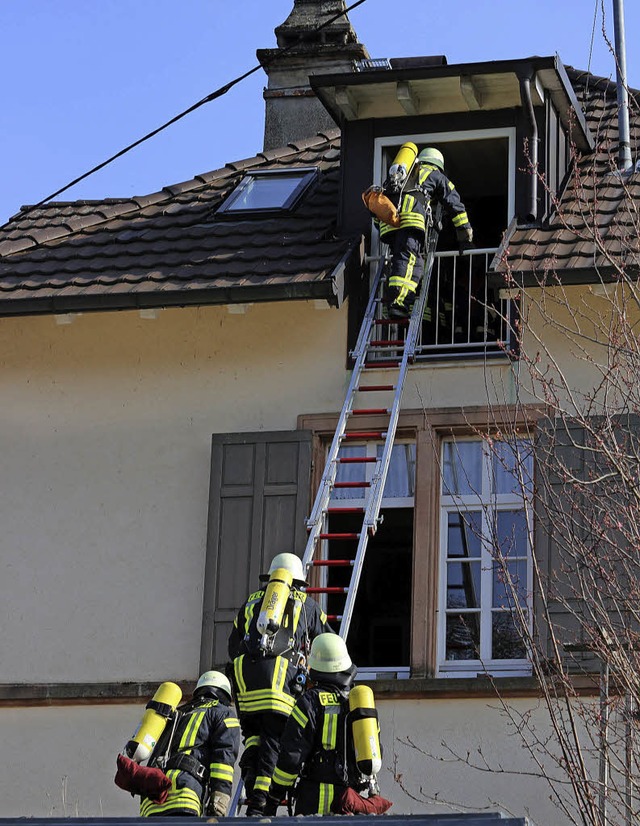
{"x":218,"y":805}
{"x":464,"y":236}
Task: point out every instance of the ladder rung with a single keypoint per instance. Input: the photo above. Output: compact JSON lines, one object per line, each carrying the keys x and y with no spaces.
{"x":333,"y":589}
{"x":368,"y":388}
{"x":352,"y":484}
{"x":365,"y":434}
{"x":370,"y":411}
{"x":345,"y":510}
{"x":352,"y":460}
{"x":387,"y":322}
{"x":336,"y":536}
{"x":334,"y":617}
{"x":380,"y":365}
{"x":387,"y":342}
{"x":328,"y":563}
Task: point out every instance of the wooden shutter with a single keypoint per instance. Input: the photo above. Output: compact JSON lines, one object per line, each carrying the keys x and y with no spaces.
{"x":258,"y":503}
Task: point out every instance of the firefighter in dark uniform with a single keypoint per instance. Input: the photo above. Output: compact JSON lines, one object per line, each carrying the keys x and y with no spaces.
{"x":406,"y":242}
{"x":203,"y":752}
{"x":266,"y":681}
{"x":316,"y":744}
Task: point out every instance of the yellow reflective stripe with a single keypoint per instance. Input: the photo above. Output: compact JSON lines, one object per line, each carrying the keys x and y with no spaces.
{"x":459,"y":219}
{"x":300,"y":717}
{"x":424,"y":173}
{"x":232,"y":722}
{"x":325,"y":798}
{"x":178,"y":798}
{"x":451,"y":186}
{"x":297,"y":608}
{"x":407,"y":203}
{"x":190,"y":733}
{"x":323,"y":617}
{"x":283,"y":778}
{"x":262,"y":783}
{"x":330,"y":727}
{"x":237,"y":670}
{"x":265,"y":700}
{"x":254,"y":740}
{"x":412,"y":219}
{"x":221,"y":772}
{"x":280,"y":674}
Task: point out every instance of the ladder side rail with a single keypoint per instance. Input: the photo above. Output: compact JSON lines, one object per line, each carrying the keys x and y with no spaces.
{"x":353,"y":585}
{"x":324,"y":492}
{"x":380,"y":476}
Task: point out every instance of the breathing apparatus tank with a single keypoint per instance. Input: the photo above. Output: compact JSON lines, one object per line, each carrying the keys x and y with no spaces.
{"x":158,"y":710}
{"x":401,"y":168}
{"x":273,"y":604}
{"x":364,"y":728}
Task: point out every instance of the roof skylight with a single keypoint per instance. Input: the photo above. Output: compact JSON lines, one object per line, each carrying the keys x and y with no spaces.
{"x":268,"y":191}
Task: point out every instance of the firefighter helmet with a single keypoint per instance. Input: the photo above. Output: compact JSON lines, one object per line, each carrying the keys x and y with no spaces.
{"x":432,"y":156}
{"x":329,"y":654}
{"x":289,"y":562}
{"x":212,"y":680}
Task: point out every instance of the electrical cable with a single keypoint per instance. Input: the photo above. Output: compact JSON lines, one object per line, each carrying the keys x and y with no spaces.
{"x":212,"y":96}
{"x":593,"y":34}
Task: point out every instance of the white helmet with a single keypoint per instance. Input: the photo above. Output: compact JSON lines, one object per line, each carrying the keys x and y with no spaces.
{"x":329,"y":654}
{"x":433,"y":156}
{"x":291,"y":563}
{"x":213,"y":679}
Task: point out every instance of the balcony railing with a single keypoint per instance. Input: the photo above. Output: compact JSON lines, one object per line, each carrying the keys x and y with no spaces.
{"x":464,"y":316}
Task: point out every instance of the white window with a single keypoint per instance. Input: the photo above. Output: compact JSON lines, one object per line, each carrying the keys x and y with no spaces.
{"x":268,"y":191}
{"x":485,"y":557}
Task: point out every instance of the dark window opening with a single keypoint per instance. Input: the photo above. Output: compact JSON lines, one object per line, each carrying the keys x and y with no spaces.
{"x":380,"y":630}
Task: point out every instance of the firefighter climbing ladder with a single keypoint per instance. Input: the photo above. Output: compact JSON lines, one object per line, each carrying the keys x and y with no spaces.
{"x":369,"y":353}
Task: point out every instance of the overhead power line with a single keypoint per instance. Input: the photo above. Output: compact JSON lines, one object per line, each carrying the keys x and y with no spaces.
{"x":212,"y":96}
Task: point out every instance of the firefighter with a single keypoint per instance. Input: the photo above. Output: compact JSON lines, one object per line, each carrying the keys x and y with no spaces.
{"x":317,"y":746}
{"x":268,"y":659}
{"x":202,"y":753}
{"x":407,"y":241}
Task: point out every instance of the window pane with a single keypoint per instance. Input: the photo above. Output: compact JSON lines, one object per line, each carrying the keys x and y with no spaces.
{"x":511,"y":533}
{"x":512,"y":467}
{"x":265,"y":191}
{"x":462,"y":468}
{"x":401,"y":476}
{"x":506,"y":641}
{"x":509,"y":584}
{"x":463,"y":584}
{"x":463,"y":637}
{"x":463,"y":534}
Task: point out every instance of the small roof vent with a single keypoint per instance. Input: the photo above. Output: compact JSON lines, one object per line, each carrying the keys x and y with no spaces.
{"x":371,"y":64}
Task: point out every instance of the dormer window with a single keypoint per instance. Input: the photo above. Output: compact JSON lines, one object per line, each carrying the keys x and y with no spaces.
{"x":268,"y":191}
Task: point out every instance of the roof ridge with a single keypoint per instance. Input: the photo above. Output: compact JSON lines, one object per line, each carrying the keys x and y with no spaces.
{"x":121,"y":207}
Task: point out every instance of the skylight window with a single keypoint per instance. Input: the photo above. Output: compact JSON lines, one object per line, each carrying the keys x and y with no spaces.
{"x":268,"y":191}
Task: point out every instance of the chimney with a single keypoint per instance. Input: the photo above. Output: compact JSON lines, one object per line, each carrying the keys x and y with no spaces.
{"x":292,"y":111}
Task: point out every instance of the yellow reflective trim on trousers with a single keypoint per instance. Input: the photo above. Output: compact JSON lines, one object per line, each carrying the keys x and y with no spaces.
{"x":325,"y":798}
{"x":191,"y":731}
{"x":300,"y":717}
{"x":221,"y":771}
{"x":459,"y":219}
{"x":237,"y":670}
{"x":254,"y":740}
{"x":262,"y":783}
{"x":283,"y":778}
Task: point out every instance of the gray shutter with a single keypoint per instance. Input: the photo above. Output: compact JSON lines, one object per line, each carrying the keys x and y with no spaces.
{"x":584,"y":560}
{"x":258,"y":503}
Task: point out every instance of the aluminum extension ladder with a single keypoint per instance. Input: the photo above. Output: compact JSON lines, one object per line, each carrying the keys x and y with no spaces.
{"x":402,"y":354}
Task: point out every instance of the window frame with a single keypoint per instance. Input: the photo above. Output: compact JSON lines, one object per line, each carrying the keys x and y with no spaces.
{"x":307,"y":176}
{"x":428,"y":428}
{"x":488,"y":503}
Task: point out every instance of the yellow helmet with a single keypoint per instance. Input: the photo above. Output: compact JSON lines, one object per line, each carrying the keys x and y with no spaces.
{"x":329,"y":654}
{"x":432,"y":156}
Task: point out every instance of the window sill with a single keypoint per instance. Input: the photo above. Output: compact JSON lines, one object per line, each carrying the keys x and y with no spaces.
{"x":452,"y":687}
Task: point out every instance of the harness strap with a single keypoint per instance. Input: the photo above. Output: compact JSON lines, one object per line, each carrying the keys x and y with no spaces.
{"x":189,"y":764}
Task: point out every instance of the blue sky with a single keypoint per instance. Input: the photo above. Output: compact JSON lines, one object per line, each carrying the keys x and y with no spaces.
{"x":81,"y":79}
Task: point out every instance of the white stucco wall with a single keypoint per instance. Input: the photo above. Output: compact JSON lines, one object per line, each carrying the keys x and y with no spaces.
{"x":62,"y":760}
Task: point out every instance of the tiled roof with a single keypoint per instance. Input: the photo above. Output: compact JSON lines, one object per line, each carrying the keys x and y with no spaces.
{"x":169,"y":248}
{"x":596,"y":221}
